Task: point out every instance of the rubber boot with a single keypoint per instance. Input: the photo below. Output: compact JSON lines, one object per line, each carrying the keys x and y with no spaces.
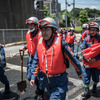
{"x":94,"y":89}
{"x":39,"y":94}
{"x":7,"y":89}
{"x":86,"y":93}
{"x":7,"y":92}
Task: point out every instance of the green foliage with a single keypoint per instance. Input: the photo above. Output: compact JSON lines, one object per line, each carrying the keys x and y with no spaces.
{"x":91,"y":12}
{"x":77,"y":29}
{"x":62,"y":21}
{"x":46,"y":13}
{"x":83,"y":17}
{"x":77,"y":10}
{"x":54,"y":16}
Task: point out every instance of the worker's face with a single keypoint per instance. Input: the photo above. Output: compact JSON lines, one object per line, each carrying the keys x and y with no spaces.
{"x":71,"y":31}
{"x":31,"y":26}
{"x":46,"y":33}
{"x":93,"y":31}
{"x":84,"y":29}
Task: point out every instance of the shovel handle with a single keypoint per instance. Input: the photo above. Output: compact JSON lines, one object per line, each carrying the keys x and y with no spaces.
{"x":77,"y":48}
{"x":21,"y":62}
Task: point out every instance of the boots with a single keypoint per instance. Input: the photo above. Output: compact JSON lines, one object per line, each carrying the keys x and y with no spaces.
{"x":86,"y":93}
{"x":39,"y":94}
{"x":94,"y":89}
{"x":7,"y":89}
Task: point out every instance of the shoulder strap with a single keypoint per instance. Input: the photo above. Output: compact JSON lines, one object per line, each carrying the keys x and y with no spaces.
{"x":65,"y":59}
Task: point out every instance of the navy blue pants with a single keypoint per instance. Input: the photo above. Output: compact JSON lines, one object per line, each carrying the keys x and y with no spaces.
{"x":57,"y":86}
{"x":3,"y":77}
{"x":88,"y":73}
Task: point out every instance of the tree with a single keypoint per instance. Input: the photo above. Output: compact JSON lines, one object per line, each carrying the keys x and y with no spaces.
{"x":91,"y":12}
{"x":77,"y":10}
{"x":63,"y":21}
{"x":83,"y":17}
{"x":47,"y":12}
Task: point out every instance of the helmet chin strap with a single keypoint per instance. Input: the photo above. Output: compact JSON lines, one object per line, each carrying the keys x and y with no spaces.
{"x":32,"y":30}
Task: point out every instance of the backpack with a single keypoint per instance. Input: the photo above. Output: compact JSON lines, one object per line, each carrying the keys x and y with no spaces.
{"x":65,"y":59}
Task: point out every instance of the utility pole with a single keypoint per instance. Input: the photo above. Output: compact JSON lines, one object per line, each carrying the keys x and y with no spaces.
{"x":66,"y":13}
{"x":50,"y":8}
{"x":57,"y":16}
{"x":74,"y":12}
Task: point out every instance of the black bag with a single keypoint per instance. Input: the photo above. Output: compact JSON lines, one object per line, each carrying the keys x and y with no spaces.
{"x":65,"y":59}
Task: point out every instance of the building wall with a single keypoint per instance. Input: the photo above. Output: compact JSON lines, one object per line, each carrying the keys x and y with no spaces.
{"x":52,"y":3}
{"x":13,"y":13}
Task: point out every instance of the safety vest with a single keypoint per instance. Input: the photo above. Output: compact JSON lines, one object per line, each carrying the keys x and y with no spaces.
{"x":51,"y":61}
{"x":99,"y":33}
{"x":70,"y":38}
{"x":85,"y":34}
{"x":89,"y":53}
{"x":95,"y":64}
{"x":32,"y":42}
{"x":59,"y":34}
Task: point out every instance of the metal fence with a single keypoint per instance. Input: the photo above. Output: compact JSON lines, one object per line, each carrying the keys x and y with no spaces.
{"x":12,"y":35}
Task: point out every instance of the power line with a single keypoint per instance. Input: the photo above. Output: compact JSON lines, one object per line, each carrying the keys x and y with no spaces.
{"x":87,"y":4}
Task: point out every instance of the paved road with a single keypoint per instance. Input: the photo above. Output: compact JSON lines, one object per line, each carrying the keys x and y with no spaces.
{"x":13,"y":73}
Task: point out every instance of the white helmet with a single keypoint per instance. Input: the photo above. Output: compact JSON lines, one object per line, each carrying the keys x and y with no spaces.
{"x":33,"y":20}
{"x":72,"y":29}
{"x":85,"y":26}
{"x":47,"y":22}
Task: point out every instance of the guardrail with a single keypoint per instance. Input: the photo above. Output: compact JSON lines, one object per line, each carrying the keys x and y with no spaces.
{"x":12,"y":35}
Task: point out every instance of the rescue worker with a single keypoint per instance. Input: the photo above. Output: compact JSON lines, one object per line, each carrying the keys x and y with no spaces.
{"x":91,"y":39}
{"x":3,"y":77}
{"x":51,"y":60}
{"x":61,"y":31}
{"x":84,"y":28}
{"x":32,"y":36}
{"x":70,"y":38}
{"x":85,"y":31}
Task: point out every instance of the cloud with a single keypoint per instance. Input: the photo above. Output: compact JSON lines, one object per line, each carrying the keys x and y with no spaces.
{"x":93,"y":7}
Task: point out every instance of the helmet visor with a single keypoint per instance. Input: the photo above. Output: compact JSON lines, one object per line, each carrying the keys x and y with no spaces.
{"x":29,"y":21}
{"x":43,"y":23}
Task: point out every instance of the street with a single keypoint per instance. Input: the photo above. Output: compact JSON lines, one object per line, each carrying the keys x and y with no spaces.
{"x":13,"y":73}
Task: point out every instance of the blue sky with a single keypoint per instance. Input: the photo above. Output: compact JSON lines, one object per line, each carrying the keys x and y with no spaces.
{"x":81,"y":4}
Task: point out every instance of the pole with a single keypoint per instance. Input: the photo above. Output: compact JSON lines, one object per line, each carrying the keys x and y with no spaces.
{"x":66,"y":12}
{"x":74,"y":12}
{"x":57,"y":16}
{"x":3,"y":34}
{"x":50,"y":8}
